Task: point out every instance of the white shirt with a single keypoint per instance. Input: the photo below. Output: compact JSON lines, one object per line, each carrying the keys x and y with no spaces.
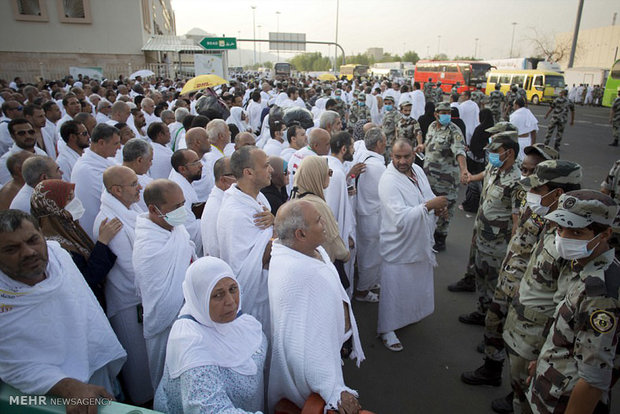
{"x":66,"y":160}
{"x":273,"y":147}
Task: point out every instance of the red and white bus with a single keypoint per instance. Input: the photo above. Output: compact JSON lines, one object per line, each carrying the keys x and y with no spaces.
{"x":467,"y":73}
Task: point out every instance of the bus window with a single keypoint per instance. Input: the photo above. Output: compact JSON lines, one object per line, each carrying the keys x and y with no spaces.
{"x":493,"y":79}
{"x":518,"y":80}
{"x":528,"y":83}
{"x":615,"y":71}
{"x":555,"y":81}
{"x":504,"y":79}
{"x":538,"y":80}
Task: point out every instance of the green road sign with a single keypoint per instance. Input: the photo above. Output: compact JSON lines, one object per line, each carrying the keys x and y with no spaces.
{"x":219,"y":43}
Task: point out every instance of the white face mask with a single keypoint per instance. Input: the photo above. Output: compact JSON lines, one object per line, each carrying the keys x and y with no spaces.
{"x":534,"y":202}
{"x":175,"y":217}
{"x":75,"y":208}
{"x":572,"y":249}
{"x":523,"y":177}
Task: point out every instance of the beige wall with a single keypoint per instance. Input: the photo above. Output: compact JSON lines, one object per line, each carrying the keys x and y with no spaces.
{"x":595,"y":47}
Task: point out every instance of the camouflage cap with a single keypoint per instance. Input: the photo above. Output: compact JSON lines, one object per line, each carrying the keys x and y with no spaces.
{"x":442,"y":106}
{"x":356,"y":92}
{"x":361,"y":95}
{"x":388,"y":98}
{"x":501,"y":127}
{"x":498,"y":140}
{"x":404,"y":103}
{"x":578,"y":209}
{"x":554,"y":172}
{"x":543,"y":150}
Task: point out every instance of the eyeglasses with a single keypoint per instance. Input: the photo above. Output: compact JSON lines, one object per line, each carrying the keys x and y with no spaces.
{"x":134,"y":184}
{"x":23,"y":133}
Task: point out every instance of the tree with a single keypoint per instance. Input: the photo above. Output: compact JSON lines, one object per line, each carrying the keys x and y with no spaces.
{"x":440,"y":56}
{"x":547,"y":48}
{"x":411,"y":56}
{"x":268,"y":65}
{"x":457,"y":57}
{"x":361,"y":59}
{"x":307,"y":62}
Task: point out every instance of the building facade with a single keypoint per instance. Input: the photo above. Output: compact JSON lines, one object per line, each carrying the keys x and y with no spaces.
{"x":596,"y":48}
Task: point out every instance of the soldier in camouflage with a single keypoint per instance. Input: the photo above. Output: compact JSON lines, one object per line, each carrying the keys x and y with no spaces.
{"x":574,"y":368}
{"x":521,"y":93}
{"x":445,"y":165}
{"x":548,"y":181}
{"x":511,"y":96}
{"x":611,"y":187}
{"x":614,"y":119}
{"x":359,"y":111}
{"x":497,"y":216}
{"x":496,"y":100}
{"x":478,"y":97}
{"x":560,"y":107}
{"x":341,"y":106}
{"x":390,"y":120}
{"x":407,"y":127}
{"x":438,"y":93}
{"x":429,"y":96}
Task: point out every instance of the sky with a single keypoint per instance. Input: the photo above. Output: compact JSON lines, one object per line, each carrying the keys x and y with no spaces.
{"x":447,"y":26}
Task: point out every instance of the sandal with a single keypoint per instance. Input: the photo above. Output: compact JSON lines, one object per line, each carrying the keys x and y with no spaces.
{"x":391,"y":342}
{"x":368,"y":297}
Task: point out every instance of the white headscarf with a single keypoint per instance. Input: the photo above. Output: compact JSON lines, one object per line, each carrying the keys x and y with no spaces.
{"x":201,"y":342}
{"x":235,"y":118}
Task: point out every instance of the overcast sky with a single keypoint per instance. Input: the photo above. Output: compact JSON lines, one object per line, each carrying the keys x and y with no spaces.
{"x":399,"y":25}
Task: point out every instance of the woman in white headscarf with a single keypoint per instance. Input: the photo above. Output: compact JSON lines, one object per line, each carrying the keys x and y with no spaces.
{"x":215,"y":356}
{"x":239,"y":118}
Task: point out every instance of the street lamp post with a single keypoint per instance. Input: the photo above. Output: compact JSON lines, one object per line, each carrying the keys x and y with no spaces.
{"x":260,"y":49}
{"x":239,"y":50}
{"x":512,"y":42}
{"x":476,"y":49}
{"x":438,"y":43}
{"x":278,"y":32}
{"x":254,"y":27}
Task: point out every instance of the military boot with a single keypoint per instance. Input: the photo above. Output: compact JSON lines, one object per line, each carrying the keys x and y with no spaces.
{"x":466,"y":284}
{"x":440,"y":242}
{"x":503,"y":405}
{"x":488,"y":374}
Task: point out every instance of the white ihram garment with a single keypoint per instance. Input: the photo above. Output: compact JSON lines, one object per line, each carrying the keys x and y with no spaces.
{"x":208,"y":223}
{"x":525,"y":122}
{"x":192,"y":224}
{"x":469,"y":112}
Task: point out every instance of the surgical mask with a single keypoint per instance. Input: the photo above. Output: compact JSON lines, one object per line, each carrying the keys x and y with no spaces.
{"x":573,"y":249}
{"x":175,"y":217}
{"x":494,"y":159}
{"x":534,"y":202}
{"x":389,"y":107}
{"x":338,"y":97}
{"x":361,"y":103}
{"x":444,"y":119}
{"x":523,"y":177}
{"x":75,"y":208}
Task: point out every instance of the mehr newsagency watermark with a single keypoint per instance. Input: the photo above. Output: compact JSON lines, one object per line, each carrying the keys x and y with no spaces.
{"x":50,"y":400}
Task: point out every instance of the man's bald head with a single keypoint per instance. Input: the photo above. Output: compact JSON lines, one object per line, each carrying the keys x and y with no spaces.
{"x":15,"y":161}
{"x":195,"y":134}
{"x":116,"y":174}
{"x":299,"y":226}
{"x":244,"y":139}
{"x":158,"y":191}
{"x":318,"y":140}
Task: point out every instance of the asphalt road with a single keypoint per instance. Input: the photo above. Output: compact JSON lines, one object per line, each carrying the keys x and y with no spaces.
{"x":425,"y":376}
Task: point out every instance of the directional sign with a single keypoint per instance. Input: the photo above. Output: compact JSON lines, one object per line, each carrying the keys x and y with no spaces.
{"x":219,"y":43}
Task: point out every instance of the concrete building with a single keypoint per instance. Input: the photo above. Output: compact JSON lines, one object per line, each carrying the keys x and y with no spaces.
{"x":45,"y":37}
{"x":375,"y":52}
{"x":596,"y":48}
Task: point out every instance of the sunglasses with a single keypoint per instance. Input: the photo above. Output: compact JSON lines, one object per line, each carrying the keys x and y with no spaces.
{"x":24,"y":132}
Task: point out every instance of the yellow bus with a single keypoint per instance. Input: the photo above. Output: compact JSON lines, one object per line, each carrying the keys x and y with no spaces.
{"x":352,"y":70}
{"x":540,"y":85}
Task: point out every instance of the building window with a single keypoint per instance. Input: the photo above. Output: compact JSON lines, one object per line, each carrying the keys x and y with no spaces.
{"x":146,"y":15}
{"x":74,"y":11}
{"x":29,"y":10}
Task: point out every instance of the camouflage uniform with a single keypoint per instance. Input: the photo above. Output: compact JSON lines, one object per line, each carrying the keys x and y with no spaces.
{"x":493,"y":226}
{"x":582,"y":340}
{"x":478,"y":97}
{"x":408,"y":128}
{"x":510,"y":102}
{"x":561,"y":105}
{"x":359,"y":113}
{"x":341,"y":107}
{"x":496,"y":99}
{"x":429,"y":96}
{"x":615,"y":122}
{"x":390,"y":121}
{"x":521,"y":93}
{"x":438,"y":93}
{"x":612,"y":187}
{"x":443,"y":145}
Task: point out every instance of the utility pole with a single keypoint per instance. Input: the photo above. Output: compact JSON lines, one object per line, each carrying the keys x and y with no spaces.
{"x":476,"y":49}
{"x":571,"y":59}
{"x":438,"y":43}
{"x":512,"y":42}
{"x":254,"y":28}
{"x":335,"y":48}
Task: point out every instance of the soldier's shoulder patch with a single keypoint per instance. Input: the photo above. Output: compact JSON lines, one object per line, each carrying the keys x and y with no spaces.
{"x":602,"y":321}
{"x":521,"y":194}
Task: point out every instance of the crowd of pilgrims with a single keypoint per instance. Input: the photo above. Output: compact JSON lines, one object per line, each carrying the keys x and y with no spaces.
{"x":200,"y":251}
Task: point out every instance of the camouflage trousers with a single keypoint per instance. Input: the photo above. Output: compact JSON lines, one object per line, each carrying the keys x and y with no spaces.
{"x":443,"y":188}
{"x":497,"y":115}
{"x":518,"y":382}
{"x":507,"y":287}
{"x":615,"y":128}
{"x":556,"y":125}
{"x":469,"y":272}
{"x":487,"y":262}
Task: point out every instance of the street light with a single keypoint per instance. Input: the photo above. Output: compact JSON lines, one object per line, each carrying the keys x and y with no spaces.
{"x":512,"y":42}
{"x":254,"y":26}
{"x":476,"y":49}
{"x":278,"y":32}
{"x":239,"y":50}
{"x":260,"y":49}
{"x":438,"y":43}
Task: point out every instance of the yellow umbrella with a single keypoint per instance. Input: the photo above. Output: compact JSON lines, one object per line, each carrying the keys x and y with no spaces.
{"x":202,"y":82}
{"x":327,"y":77}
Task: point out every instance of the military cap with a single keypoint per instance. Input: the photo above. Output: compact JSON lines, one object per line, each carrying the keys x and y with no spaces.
{"x":442,"y":106}
{"x":579,"y":209}
{"x":438,"y":82}
{"x":501,"y":127}
{"x":338,"y":92}
{"x":361,"y":95}
{"x":388,"y":98}
{"x":356,"y":92}
{"x":404,"y":103}
{"x":543,"y":150}
{"x":555,"y":172}
{"x":502,"y":138}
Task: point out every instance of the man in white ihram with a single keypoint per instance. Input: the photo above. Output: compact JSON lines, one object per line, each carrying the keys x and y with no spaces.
{"x":245,"y":228}
{"x":408,"y":221}
{"x":162,"y":252}
{"x":527,"y":126}
{"x":56,"y":338}
{"x":311,"y":315}
{"x":120,"y":200}
{"x":224,"y":178}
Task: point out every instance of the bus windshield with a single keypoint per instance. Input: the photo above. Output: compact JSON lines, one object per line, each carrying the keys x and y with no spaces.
{"x":555,"y":81}
{"x":479,"y":73}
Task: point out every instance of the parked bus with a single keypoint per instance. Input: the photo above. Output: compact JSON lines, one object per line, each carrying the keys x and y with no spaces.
{"x":467,"y":73}
{"x":612,"y":85}
{"x":540,"y":86}
{"x":283,"y":70}
{"x":352,"y":71}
